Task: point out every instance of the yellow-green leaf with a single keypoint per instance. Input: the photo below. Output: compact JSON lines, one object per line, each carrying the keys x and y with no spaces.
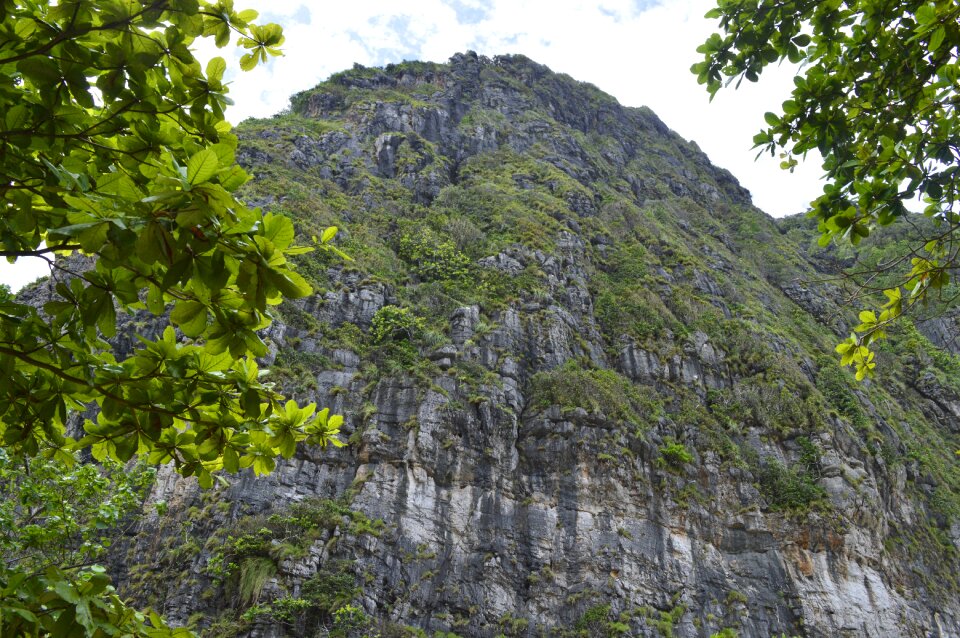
{"x":248,"y":61}
{"x":215,"y":69}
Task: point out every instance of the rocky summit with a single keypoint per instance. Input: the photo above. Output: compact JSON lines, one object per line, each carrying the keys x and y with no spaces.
{"x":588,"y":390}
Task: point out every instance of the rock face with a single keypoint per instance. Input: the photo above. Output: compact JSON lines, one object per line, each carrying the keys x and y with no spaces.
{"x":619,"y":415}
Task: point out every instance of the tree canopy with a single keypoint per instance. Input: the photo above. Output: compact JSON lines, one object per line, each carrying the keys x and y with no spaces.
{"x":118,"y":167}
{"x":55,"y":523}
{"x":113,"y":143}
{"x":877,"y":94}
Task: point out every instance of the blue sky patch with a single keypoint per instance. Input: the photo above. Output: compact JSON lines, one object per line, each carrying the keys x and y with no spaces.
{"x":467,"y":13}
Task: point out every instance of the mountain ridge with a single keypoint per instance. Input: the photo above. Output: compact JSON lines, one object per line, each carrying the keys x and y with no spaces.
{"x":589,"y":390}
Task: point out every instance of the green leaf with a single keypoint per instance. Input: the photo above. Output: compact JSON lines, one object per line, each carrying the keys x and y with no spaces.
{"x":926,"y":15}
{"x":26,"y":614}
{"x":119,"y":184}
{"x":107,"y":319}
{"x":190,"y":316}
{"x":286,"y":445}
{"x":16,"y":117}
{"x":233,"y":178}
{"x":278,"y":229}
{"x":94,"y":237}
{"x":67,"y":592}
{"x":790,"y":107}
{"x":126,"y":446}
{"x":155,"y":302}
{"x":231,"y":461}
{"x":155,"y":244}
{"x":936,"y":39}
{"x":202,"y":166}
{"x":263,"y":465}
{"x":215,"y":69}
{"x":248,"y":61}
{"x":289,"y":283}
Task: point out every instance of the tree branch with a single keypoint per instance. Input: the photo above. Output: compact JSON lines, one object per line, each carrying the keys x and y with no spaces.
{"x":38,"y":253}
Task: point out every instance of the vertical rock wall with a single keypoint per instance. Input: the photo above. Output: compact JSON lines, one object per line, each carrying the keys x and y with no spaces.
{"x":642,"y":436}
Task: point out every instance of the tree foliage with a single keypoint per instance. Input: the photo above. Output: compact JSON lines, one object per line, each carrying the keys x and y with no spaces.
{"x":877,"y":95}
{"x":433,"y":257}
{"x":394,"y":322}
{"x":114,"y":145}
{"x":118,"y":168}
{"x":55,"y":521}
{"x":51,"y":515}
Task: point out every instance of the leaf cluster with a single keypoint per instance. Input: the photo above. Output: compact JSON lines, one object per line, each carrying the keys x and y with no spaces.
{"x":256,"y":547}
{"x":877,"y":96}
{"x":55,"y":515}
{"x":114,"y":144}
{"x":118,"y":167}
{"x":393,"y":323}
{"x":674,"y":456}
{"x":55,"y":603}
{"x":433,"y":257}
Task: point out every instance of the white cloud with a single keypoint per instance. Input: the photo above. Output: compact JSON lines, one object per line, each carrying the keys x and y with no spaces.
{"x":26,"y":270}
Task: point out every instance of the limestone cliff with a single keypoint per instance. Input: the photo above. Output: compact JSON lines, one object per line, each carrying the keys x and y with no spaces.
{"x":601,"y":401}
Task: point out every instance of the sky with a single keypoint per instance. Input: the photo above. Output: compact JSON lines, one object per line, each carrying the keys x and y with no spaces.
{"x":639,"y":51}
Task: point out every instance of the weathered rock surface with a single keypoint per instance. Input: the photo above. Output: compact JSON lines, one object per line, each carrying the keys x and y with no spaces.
{"x":516,"y":501}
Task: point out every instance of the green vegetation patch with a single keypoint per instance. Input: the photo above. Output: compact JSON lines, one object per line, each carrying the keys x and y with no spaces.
{"x":788,"y":489}
{"x":595,"y":390}
{"x":250,"y":553}
{"x":674,"y":456}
